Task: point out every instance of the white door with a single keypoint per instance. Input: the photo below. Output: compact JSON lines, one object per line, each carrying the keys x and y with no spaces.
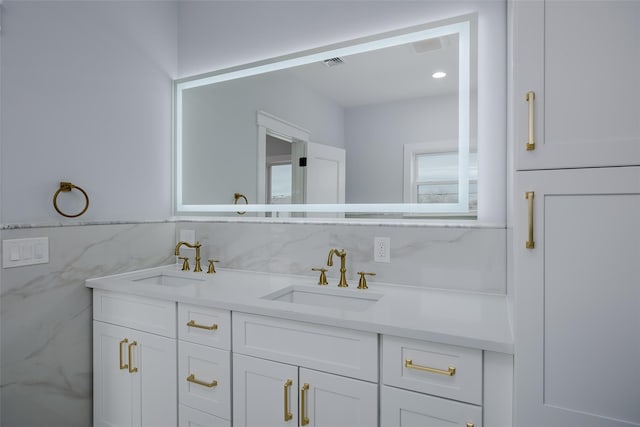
{"x":581,"y":59}
{"x":403,"y":408}
{"x":112,"y":381}
{"x":325,"y":175}
{"x":577,"y":297}
{"x":328,"y":400}
{"x":264,"y":393}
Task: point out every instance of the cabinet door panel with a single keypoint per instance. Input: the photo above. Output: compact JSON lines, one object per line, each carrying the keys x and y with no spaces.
{"x":577,"y":299}
{"x":259,"y":393}
{"x":335,"y":401}
{"x":581,"y":59}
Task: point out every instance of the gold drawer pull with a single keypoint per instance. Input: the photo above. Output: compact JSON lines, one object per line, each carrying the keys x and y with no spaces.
{"x":449,"y":372}
{"x":287,"y":413}
{"x":304,"y":420}
{"x":192,"y":379}
{"x":531,"y":144}
{"x":122,"y":343}
{"x":469,"y":424}
{"x":193,"y":324}
{"x":132,"y":370}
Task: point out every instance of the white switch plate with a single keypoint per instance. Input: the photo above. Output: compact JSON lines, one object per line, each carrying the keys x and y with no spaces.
{"x":20,"y":252}
{"x":382,"y":249}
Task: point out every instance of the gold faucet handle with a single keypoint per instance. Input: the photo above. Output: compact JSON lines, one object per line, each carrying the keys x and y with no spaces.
{"x":185,"y":264}
{"x":362,"y":284}
{"x":212,"y":268}
{"x":323,"y":277}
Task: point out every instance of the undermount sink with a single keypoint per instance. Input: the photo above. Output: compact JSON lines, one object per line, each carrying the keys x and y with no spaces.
{"x":164,"y":279}
{"x":335,"y":298}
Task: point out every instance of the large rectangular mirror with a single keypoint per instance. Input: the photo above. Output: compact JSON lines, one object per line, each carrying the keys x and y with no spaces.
{"x":385,"y":126}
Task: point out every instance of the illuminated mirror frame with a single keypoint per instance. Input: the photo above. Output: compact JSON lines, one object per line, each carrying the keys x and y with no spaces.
{"x":463,"y":29}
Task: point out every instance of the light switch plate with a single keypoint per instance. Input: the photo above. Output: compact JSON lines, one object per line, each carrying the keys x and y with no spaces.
{"x":21,"y":252}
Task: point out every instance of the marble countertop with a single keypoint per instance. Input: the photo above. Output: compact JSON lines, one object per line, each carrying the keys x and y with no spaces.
{"x":467,"y":319}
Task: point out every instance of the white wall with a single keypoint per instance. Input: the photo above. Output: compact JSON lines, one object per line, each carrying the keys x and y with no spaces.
{"x":86,"y":97}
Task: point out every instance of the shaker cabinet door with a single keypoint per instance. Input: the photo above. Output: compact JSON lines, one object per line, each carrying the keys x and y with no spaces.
{"x":577,"y":269}
{"x":576,"y":87}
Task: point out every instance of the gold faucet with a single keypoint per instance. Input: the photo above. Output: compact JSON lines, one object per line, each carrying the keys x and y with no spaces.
{"x":196,"y":247}
{"x":343,"y":255}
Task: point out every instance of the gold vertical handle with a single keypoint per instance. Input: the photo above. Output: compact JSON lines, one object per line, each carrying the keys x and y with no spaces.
{"x":130,"y":350}
{"x":287,"y":413}
{"x":304,"y":420}
{"x":530,"y":243}
{"x":122,"y":343}
{"x":529,"y":97}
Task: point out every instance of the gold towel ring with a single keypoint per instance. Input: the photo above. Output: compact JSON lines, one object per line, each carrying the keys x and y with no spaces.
{"x":237,"y":196}
{"x":66,"y":187}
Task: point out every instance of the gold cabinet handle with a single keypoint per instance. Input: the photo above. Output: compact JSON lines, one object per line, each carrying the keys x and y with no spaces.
{"x":449,"y":372}
{"x":130,"y":350}
{"x":287,"y":413}
{"x":469,"y":424}
{"x":193,"y":324}
{"x":530,"y":243}
{"x":304,"y":420}
{"x":192,"y":379}
{"x":529,"y":97}
{"x":122,"y":343}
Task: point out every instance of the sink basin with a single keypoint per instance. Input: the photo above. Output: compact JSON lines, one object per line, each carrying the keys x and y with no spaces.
{"x":164,"y":279}
{"x":335,"y":298}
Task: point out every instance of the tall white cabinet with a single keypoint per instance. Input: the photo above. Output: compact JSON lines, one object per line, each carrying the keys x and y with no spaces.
{"x":576,"y":239}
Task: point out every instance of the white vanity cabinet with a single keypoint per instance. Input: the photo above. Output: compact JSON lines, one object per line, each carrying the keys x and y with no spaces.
{"x":134,"y":360}
{"x":581,"y":61}
{"x":426,"y":383}
{"x":288,"y":373}
{"x":204,"y":366}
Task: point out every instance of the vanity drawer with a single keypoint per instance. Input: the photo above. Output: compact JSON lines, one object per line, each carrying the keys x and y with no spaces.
{"x":325,"y":348}
{"x":439,"y":369}
{"x":204,"y":378}
{"x":189,"y":417}
{"x":141,"y":313}
{"x":204,"y":325}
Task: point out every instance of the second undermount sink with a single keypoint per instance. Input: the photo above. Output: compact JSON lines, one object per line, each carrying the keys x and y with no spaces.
{"x":342,"y":299}
{"x":164,"y":279}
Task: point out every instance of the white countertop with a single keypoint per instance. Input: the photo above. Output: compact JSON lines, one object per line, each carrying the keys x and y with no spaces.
{"x":467,"y":319}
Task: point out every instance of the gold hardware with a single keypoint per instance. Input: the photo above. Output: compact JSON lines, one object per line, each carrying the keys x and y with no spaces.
{"x":238,"y":196}
{"x":185,"y":263}
{"x":343,"y":255}
{"x":195,"y":246}
{"x":469,"y":424}
{"x":529,"y":97}
{"x":211,"y":268}
{"x":323,"y":277}
{"x":304,"y":420}
{"x":123,"y":365}
{"x":363,"y":282}
{"x":192,"y":379}
{"x":449,"y":372}
{"x":287,"y":413}
{"x":67,"y":187}
{"x":530,"y":243}
{"x":131,"y":368}
{"x":193,"y":324}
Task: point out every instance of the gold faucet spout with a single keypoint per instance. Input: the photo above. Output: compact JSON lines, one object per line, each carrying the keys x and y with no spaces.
{"x":343,"y":269}
{"x":195,"y":246}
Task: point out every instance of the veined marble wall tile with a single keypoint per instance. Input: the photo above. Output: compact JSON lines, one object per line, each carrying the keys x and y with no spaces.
{"x":463,"y":258}
{"x":46,"y":317}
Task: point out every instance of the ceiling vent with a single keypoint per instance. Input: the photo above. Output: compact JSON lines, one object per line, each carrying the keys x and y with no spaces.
{"x":430,"y":45}
{"x":332,"y":62}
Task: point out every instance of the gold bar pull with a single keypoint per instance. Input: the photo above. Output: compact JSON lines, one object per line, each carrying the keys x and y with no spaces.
{"x":304,"y":420}
{"x":192,"y":379}
{"x":287,"y":413}
{"x":529,"y":97}
{"x":530,"y":243}
{"x":193,"y":324}
{"x":449,"y":372}
{"x":122,"y":343}
{"x":469,"y":424}
{"x":131,"y":368}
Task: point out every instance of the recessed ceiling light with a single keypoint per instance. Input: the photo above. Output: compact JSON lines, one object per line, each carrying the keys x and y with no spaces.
{"x":439,"y":74}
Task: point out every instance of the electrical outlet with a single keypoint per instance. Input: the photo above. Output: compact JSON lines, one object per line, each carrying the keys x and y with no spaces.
{"x":381,"y":249}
